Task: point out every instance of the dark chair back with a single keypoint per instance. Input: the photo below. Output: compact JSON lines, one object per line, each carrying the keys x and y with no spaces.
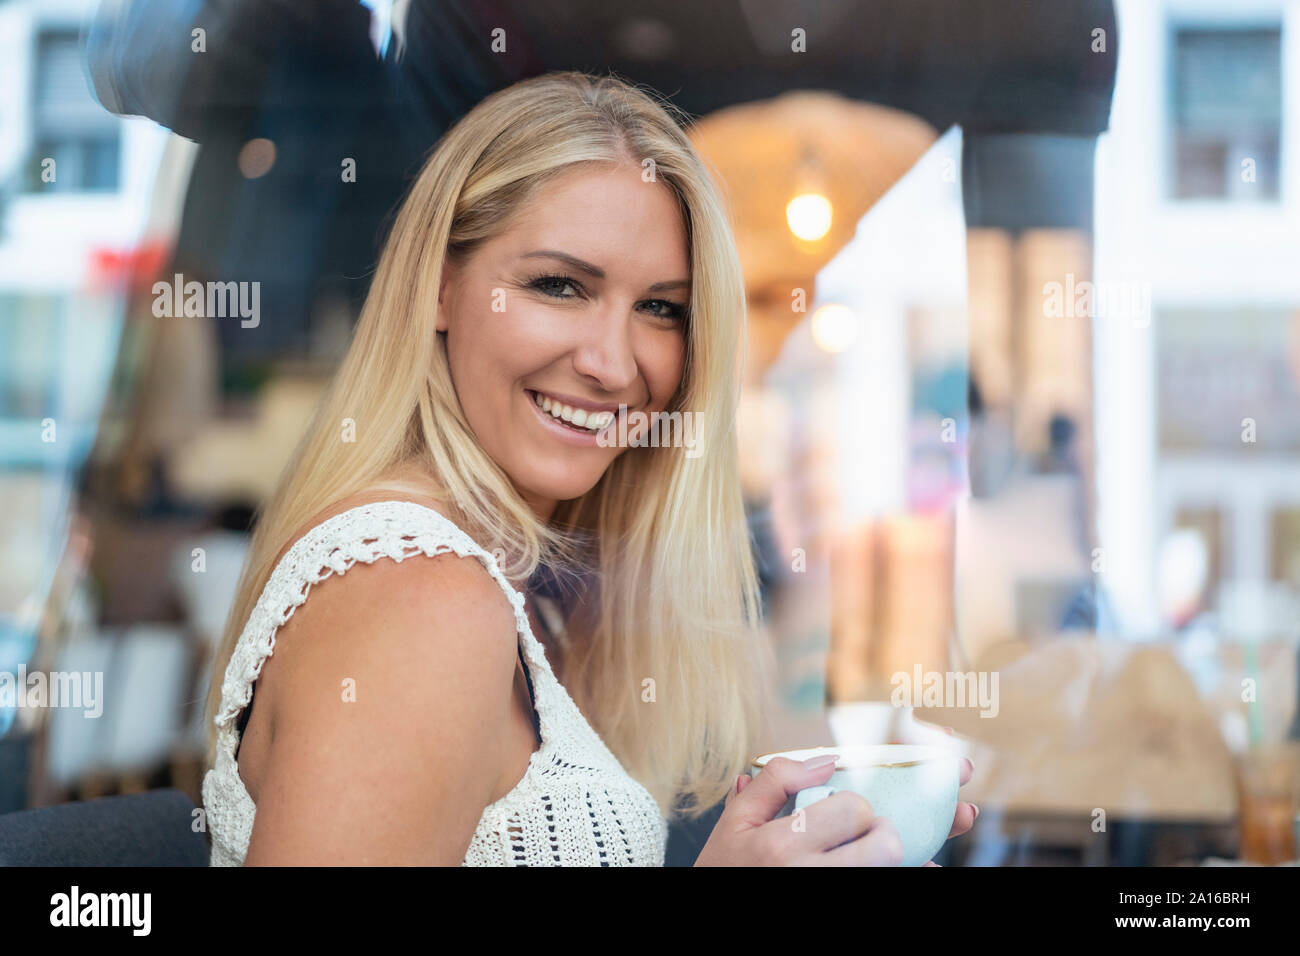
{"x":155,"y":828}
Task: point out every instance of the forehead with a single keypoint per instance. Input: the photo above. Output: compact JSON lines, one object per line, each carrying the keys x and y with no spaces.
{"x":608,"y":216}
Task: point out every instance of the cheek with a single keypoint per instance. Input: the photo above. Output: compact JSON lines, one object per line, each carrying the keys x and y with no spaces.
{"x":494,"y":347}
{"x":663,"y":364}
{"x":475,"y":363}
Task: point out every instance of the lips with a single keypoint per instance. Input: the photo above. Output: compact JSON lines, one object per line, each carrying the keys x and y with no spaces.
{"x":588,"y":419}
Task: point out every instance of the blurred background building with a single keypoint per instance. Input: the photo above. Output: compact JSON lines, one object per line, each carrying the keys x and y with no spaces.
{"x":1022,"y":394}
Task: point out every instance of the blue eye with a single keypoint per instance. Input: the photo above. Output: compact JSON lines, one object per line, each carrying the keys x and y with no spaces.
{"x":672,"y":311}
{"x":545,"y":283}
{"x":552,"y":284}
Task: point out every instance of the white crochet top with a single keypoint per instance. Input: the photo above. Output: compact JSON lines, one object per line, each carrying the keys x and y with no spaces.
{"x":575,"y":805}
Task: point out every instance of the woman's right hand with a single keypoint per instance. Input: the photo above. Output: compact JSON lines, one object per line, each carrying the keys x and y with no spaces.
{"x":841,"y":830}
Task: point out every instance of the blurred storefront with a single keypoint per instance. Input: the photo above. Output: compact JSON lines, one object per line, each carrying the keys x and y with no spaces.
{"x":1022,"y":388}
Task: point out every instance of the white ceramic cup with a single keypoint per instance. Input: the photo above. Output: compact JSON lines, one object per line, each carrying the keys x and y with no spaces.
{"x":913,"y":785}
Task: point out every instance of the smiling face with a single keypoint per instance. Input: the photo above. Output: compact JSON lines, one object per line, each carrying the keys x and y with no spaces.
{"x":581,"y":302}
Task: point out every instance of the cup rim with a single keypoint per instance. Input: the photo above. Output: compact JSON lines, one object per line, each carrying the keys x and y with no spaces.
{"x":927,"y":752}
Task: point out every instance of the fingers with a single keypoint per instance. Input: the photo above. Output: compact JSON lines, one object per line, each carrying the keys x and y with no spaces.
{"x":766,"y":794}
{"x":826,"y":824}
{"x":737,"y":788}
{"x":963,"y":819}
{"x":879,"y":846}
{"x":966,"y":813}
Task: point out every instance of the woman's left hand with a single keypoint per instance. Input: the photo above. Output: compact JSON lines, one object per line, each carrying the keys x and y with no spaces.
{"x":966,"y":813}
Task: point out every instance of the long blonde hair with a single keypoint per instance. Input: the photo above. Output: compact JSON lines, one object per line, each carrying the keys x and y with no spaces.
{"x":671,"y":667}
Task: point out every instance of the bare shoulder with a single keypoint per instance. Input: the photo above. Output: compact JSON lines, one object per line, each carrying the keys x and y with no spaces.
{"x":389,"y":688}
{"x":398,"y":602}
{"x":412,"y":608}
{"x":390,"y":601}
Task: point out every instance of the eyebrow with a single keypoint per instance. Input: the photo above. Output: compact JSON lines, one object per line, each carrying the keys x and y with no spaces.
{"x":595,"y":271}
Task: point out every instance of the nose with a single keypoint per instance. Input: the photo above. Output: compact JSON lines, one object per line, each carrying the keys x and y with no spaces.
{"x":605,"y":355}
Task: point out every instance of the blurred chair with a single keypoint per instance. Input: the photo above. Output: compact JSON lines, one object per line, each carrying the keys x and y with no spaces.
{"x":141,"y":716}
{"x":148,"y":706}
{"x":204,"y":574}
{"x":75,"y":740}
{"x":144,"y":829}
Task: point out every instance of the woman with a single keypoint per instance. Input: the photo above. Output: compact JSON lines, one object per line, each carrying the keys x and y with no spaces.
{"x":561,"y":266}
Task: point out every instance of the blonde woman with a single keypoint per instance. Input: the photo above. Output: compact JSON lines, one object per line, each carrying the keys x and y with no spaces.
{"x":561,"y":266}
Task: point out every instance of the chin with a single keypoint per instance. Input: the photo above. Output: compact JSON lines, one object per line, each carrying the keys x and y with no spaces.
{"x":561,"y":487}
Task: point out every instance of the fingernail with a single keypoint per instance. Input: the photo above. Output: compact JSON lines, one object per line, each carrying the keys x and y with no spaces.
{"x":736,"y":789}
{"x":813,"y":763}
{"x":977,"y":811}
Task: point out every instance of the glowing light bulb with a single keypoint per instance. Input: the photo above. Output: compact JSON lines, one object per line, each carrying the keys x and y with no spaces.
{"x":834,"y":327}
{"x":809,"y":216}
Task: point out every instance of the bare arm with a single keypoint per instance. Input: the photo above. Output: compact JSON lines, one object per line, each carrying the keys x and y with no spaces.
{"x":401,"y":775}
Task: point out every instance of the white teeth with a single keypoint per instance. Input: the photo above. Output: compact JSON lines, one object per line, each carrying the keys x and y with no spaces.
{"x":591,"y":421}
